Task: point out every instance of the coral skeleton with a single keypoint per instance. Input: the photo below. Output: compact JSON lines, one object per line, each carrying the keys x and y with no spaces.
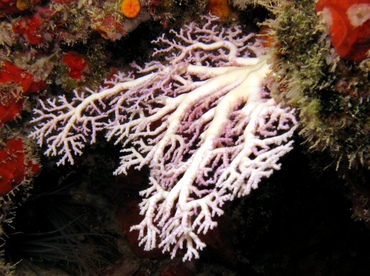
{"x":199,"y":116}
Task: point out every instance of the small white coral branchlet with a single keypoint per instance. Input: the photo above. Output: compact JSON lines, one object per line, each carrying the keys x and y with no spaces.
{"x":201,"y":119}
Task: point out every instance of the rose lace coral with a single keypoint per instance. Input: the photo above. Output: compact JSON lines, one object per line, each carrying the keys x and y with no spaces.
{"x":200,"y":118}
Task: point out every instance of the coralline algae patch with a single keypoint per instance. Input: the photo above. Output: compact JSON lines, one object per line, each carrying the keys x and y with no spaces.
{"x":14,"y":84}
{"x":76,"y":64}
{"x":16,"y":6}
{"x":31,"y":28}
{"x":349,"y":26}
{"x":14,"y":166}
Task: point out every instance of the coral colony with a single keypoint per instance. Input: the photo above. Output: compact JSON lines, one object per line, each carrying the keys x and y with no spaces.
{"x":199,"y":116}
